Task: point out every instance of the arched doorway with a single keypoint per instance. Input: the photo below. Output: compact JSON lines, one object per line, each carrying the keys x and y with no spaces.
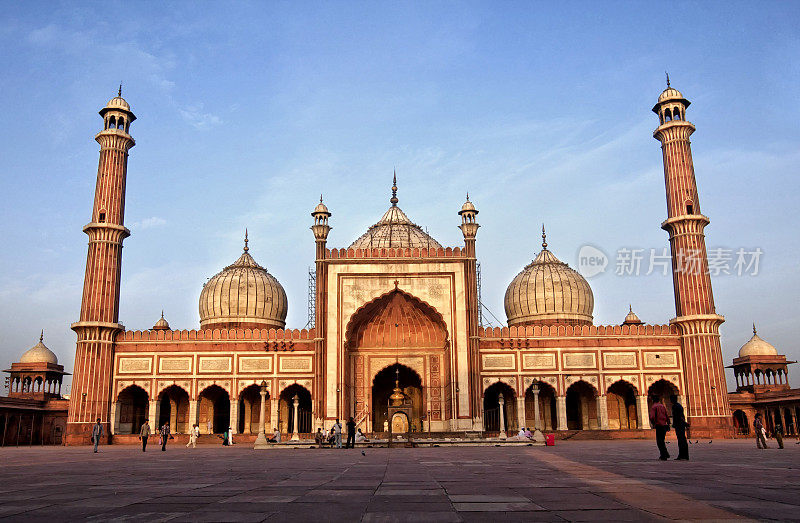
{"x":132,"y":405}
{"x":286,"y":410}
{"x":547,"y":407}
{"x":491,"y":408}
{"x":740,"y":424}
{"x":661,"y":389}
{"x":173,"y":403}
{"x":621,"y":403}
{"x":214,"y":409}
{"x":582,"y":407}
{"x":383,"y":386}
{"x":790,"y":422}
{"x":398,"y":326}
{"x":250,"y":410}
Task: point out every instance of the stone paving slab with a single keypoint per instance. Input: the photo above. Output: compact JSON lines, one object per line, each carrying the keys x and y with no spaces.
{"x":574,"y":481}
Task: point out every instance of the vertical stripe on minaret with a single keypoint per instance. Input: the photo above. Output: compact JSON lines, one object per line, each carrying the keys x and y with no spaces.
{"x":91,"y":395}
{"x":696,"y":318}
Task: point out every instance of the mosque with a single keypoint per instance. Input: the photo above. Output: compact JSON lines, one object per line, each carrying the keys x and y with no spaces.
{"x":396,"y":339}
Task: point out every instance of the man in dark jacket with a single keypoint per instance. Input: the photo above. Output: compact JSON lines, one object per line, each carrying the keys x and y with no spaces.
{"x":97,"y":433}
{"x":680,"y":424}
{"x":164,"y":436}
{"x":660,"y":421}
{"x":351,"y":434}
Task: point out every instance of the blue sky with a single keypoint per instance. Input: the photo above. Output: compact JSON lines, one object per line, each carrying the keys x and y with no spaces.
{"x":248,"y":111}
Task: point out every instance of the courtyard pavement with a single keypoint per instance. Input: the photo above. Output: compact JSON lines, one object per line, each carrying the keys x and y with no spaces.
{"x":575,"y":481}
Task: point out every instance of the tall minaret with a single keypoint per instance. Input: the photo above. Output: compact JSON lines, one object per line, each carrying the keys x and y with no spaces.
{"x":704,"y":373}
{"x":91,"y":393}
{"x":321,"y":229}
{"x":469,"y":228}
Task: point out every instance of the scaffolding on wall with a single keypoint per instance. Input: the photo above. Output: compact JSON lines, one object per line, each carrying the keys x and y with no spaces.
{"x":312,"y":298}
{"x":482,"y":320}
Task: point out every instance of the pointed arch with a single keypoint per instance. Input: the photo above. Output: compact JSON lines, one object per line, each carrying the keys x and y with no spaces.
{"x":396,"y":319}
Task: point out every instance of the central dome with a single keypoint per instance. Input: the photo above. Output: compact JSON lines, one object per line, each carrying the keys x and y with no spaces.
{"x":243,"y":295}
{"x":548,"y":292}
{"x":394,"y":229}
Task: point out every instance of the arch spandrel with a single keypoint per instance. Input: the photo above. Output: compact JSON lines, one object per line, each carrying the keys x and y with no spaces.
{"x":672,"y":379}
{"x":161,"y":386}
{"x":506,"y":380}
{"x":632,"y":381}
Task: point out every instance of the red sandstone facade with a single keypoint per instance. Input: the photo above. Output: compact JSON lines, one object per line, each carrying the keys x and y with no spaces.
{"x":397,"y":306}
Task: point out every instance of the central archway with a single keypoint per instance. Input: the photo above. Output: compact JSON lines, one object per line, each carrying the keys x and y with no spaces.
{"x":383,"y":386}
{"x":398,"y":328}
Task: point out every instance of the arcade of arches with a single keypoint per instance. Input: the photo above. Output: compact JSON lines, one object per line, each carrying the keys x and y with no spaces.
{"x":582,"y":408}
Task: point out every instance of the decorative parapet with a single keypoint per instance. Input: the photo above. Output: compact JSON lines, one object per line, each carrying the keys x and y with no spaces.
{"x":538,"y":331}
{"x":449,"y":252}
{"x":218,"y":334}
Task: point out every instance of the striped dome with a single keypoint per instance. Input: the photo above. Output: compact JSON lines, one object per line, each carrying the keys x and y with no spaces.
{"x":548,"y":292}
{"x":243,"y":295}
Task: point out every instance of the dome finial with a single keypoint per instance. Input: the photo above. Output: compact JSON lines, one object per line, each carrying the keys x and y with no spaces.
{"x":41,"y":337}
{"x":162,"y":314}
{"x":246,"y":248}
{"x":544,"y":239}
{"x":666,"y":73}
{"x":393,"y":199}
{"x":320,"y":197}
{"x":119,"y":93}
{"x":754,"y":329}
{"x":467,"y":195}
{"x":630,"y":308}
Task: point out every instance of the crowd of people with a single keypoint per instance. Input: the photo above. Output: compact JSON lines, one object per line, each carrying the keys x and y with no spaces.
{"x":660,"y":420}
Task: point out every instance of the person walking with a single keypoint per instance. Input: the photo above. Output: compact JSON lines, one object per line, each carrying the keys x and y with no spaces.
{"x":758,"y":428}
{"x":351,"y":434}
{"x":337,"y":427}
{"x":660,"y":420}
{"x":680,"y":424}
{"x":144,"y":433}
{"x":778,"y":433}
{"x":97,"y":433}
{"x":194,"y":432}
{"x":164,"y":436}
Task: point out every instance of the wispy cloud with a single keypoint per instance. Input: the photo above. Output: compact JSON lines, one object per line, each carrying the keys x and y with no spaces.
{"x":148,"y":223}
{"x":198,"y":118}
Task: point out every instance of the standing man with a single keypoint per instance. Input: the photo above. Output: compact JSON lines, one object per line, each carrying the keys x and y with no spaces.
{"x":337,"y":427}
{"x":144,"y":434}
{"x":660,"y":420}
{"x":210,"y":426}
{"x":164,"y":436}
{"x":193,"y":433}
{"x":97,"y":433}
{"x":778,"y":433}
{"x":758,"y":428}
{"x":351,"y":434}
{"x":680,"y":424}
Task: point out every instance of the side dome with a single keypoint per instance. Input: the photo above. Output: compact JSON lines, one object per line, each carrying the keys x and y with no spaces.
{"x":394,"y":229}
{"x":243,"y":295}
{"x":39,"y":353}
{"x":549,"y":292}
{"x":755,"y":346}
